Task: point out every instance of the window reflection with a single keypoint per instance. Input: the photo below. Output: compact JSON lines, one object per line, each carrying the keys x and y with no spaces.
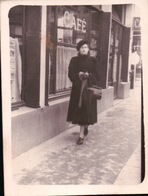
{"x":72,"y":24}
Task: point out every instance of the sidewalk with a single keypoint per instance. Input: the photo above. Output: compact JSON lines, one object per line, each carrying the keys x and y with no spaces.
{"x":110,"y":153}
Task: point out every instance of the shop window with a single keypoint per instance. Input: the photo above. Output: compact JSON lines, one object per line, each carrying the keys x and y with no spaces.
{"x":25,"y":33}
{"x":67,"y":25}
{"x":16,"y":54}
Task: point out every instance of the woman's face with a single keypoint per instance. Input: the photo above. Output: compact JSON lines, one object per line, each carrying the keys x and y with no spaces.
{"x":84,"y":49}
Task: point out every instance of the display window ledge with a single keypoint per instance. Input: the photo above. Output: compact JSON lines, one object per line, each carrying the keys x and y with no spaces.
{"x":24,"y":109}
{"x":58,"y":101}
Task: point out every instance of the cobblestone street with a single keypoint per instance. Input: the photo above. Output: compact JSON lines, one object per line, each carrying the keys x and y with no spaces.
{"x":105,"y":151}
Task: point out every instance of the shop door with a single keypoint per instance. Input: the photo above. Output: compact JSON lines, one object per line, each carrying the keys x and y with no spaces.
{"x":115,"y":56}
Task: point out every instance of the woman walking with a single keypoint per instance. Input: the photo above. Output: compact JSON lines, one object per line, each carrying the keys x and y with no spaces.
{"x":83,"y":73}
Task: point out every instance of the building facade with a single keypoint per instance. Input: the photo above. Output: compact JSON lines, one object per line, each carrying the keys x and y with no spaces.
{"x":42,"y":41}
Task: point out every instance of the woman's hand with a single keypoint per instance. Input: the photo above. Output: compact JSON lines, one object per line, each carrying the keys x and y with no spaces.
{"x":86,"y":75}
{"x":83,"y":75}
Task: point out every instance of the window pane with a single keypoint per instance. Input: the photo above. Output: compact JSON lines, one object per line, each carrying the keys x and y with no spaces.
{"x":16,"y":70}
{"x":65,"y":35}
{"x":73,"y":24}
{"x":64,"y":54}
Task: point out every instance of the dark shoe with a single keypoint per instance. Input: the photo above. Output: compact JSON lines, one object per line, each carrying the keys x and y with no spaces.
{"x":80,"y":141}
{"x":85,"y":131}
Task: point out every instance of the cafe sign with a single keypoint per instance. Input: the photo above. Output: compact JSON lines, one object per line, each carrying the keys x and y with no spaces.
{"x":71,"y":21}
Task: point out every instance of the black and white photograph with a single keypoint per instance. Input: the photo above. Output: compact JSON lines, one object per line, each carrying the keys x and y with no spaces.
{"x":74,"y":97}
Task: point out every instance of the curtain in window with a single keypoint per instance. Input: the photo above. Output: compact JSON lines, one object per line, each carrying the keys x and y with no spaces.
{"x":64,"y":54}
{"x":16,"y":70}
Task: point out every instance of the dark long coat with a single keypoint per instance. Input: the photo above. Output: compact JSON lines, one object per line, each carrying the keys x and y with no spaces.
{"x":87,"y":114}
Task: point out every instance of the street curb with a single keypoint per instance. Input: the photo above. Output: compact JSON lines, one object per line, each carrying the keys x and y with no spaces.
{"x":131,"y":172}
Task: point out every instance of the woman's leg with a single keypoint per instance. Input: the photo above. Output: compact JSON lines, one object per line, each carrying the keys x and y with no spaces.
{"x":81,"y":137}
{"x":86,"y":130}
{"x":82,"y":128}
{"x":86,"y":126}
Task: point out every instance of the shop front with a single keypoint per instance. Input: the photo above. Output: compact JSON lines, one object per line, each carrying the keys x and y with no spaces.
{"x":42,"y":41}
{"x":65,"y":27}
{"x":119,"y":54}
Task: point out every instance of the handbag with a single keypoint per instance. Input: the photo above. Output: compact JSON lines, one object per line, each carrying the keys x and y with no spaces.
{"x":96,"y":91}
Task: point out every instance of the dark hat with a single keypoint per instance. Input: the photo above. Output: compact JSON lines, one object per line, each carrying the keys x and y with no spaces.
{"x":81,"y":43}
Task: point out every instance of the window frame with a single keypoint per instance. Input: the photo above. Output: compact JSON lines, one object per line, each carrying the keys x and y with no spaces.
{"x":17,"y":104}
{"x":31,"y":36}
